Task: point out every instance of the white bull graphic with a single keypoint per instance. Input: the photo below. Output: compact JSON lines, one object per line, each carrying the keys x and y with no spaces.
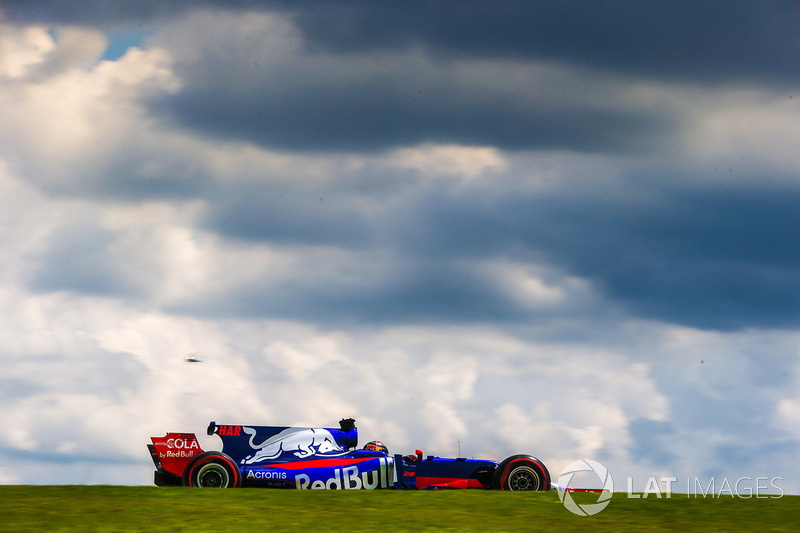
{"x":302,"y":442}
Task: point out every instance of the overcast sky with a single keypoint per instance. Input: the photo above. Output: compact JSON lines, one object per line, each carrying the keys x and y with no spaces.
{"x":561,"y":228}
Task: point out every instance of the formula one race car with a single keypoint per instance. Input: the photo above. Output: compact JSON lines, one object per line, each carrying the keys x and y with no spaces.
{"x":326,"y":458}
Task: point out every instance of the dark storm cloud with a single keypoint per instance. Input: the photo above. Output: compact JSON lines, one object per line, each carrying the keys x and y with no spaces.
{"x":229,"y":92}
{"x":750,"y":39}
{"x":291,"y":218}
{"x":370,"y":115}
{"x":716,"y":259}
{"x":398,"y":291}
{"x":104,"y":13}
{"x":257,"y":84}
{"x":470,"y":86}
{"x":722,"y":259}
{"x":719,"y":259}
{"x":687,"y":39}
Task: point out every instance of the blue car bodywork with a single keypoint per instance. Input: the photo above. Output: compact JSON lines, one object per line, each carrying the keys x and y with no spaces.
{"x":325,"y":458}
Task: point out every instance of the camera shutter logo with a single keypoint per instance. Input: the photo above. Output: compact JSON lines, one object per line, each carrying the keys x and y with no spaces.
{"x":587,"y":509}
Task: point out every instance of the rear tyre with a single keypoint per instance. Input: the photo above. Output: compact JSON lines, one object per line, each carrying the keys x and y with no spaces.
{"x":521,"y":472}
{"x":212,"y":470}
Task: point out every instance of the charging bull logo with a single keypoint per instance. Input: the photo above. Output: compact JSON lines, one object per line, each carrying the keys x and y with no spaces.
{"x":300,"y":442}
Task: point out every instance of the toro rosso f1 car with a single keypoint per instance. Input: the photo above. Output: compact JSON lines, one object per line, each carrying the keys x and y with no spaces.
{"x":326,"y":458}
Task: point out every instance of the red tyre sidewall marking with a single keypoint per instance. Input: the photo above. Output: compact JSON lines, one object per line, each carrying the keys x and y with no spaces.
{"x":510,"y":467}
{"x":211,"y":458}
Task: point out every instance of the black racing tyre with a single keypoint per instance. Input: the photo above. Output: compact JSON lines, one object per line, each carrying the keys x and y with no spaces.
{"x":521,"y":472}
{"x":212,"y":470}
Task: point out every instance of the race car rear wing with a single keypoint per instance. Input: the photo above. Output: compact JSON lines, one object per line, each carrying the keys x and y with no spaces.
{"x":173,"y":452}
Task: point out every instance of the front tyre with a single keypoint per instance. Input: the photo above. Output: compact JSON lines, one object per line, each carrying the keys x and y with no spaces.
{"x":521,"y":472}
{"x":212,"y":470}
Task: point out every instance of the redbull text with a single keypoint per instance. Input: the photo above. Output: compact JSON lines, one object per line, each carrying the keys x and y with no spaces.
{"x":350,"y":477}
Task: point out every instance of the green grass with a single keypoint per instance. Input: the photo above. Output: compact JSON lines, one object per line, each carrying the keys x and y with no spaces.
{"x":112,"y":508}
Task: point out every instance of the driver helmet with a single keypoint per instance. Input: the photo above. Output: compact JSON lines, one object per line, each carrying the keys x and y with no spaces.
{"x":376,"y":446}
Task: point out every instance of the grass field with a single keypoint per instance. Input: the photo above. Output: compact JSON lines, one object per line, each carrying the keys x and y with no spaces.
{"x":113,"y":508}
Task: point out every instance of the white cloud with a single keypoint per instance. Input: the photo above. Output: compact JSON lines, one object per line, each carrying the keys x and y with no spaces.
{"x":77,"y":49}
{"x":467,"y":162}
{"x":21,"y":49}
{"x":788,"y":415}
{"x":65,"y":126}
{"x":536,"y":288}
{"x":747,"y":129}
{"x":446,"y":386}
{"x":25,"y":222}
